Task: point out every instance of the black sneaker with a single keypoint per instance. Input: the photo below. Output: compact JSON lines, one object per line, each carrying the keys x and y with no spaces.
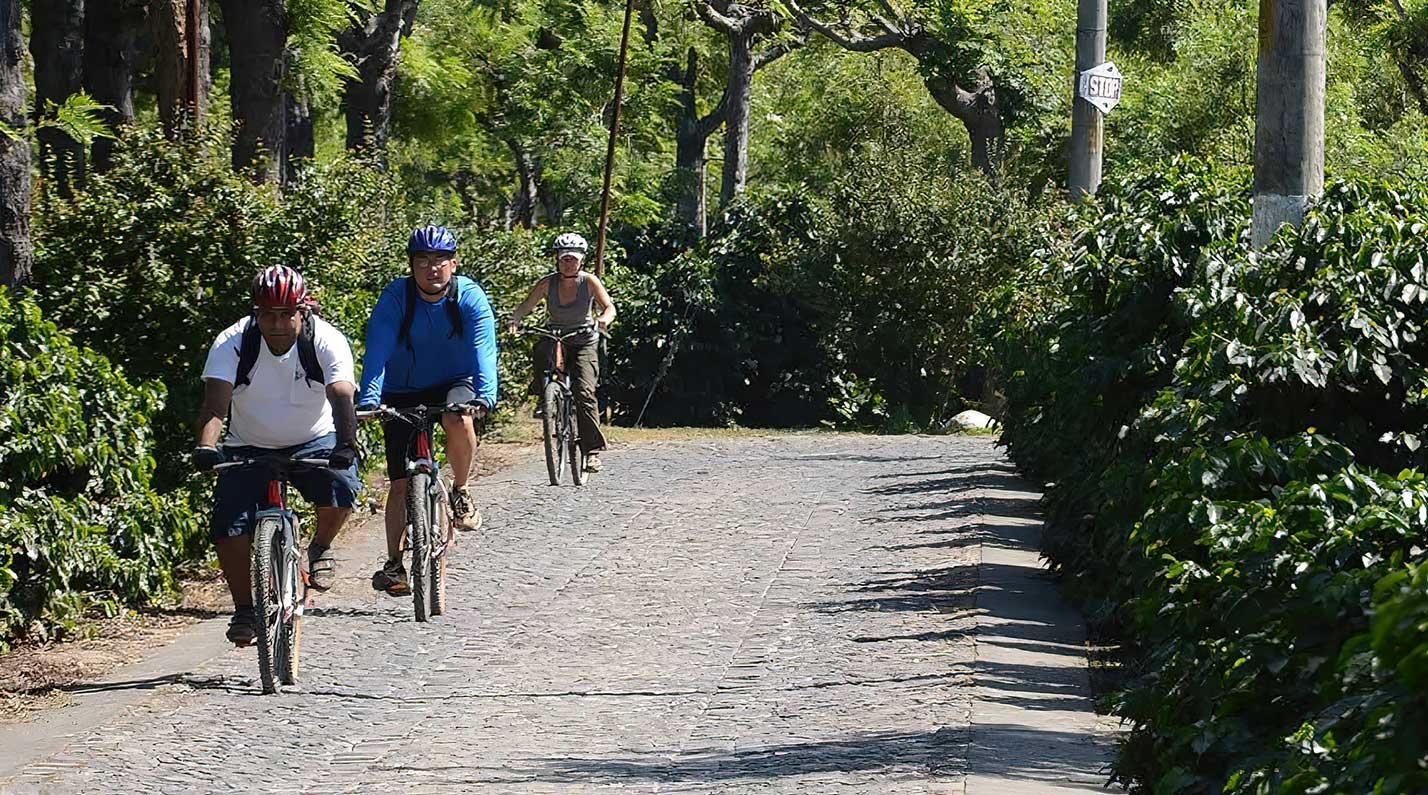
{"x":392,"y":578}
{"x":243,"y":627}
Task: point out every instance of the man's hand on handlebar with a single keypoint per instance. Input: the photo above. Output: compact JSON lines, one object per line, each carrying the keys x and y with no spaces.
{"x":342,"y":457}
{"x":206,"y":458}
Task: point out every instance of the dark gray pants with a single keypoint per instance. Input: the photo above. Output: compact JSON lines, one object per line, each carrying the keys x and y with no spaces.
{"x":582,"y":361}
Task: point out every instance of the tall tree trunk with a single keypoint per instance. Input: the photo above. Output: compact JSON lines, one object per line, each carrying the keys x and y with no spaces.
{"x":373,"y":44}
{"x":736,"y":128}
{"x":523,"y":204}
{"x":551,"y":204}
{"x":980,"y":113}
{"x":111,"y":35}
{"x":57,"y":44}
{"x":257,"y":41}
{"x":691,"y":138}
{"x":173,"y":67}
{"x":301,"y":137}
{"x":16,"y":253}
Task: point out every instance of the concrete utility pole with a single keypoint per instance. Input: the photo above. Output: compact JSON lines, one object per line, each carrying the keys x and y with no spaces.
{"x":1086,"y":141}
{"x":1289,"y":122}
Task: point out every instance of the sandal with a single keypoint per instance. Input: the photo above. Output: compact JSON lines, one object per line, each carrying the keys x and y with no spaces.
{"x":243,"y":627}
{"x":321,"y":567}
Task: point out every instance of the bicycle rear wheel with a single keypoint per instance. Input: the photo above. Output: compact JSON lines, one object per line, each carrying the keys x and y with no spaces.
{"x":550,"y":424}
{"x":419,"y":539}
{"x":440,"y":536}
{"x":265,"y":599}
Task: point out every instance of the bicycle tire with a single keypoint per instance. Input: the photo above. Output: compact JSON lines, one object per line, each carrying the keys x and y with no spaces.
{"x":288,"y":650}
{"x":265,"y":600}
{"x":419,"y":539}
{"x":550,"y":424}
{"x":441,"y":525}
{"x":291,"y":657}
{"x":572,"y":443}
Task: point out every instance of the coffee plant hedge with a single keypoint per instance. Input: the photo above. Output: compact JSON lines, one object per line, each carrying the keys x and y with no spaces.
{"x":80,"y":524}
{"x":1232,"y":443}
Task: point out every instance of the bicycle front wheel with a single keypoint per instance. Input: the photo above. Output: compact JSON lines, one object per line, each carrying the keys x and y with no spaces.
{"x":440,"y":537}
{"x":419,"y":539}
{"x":550,"y":424}
{"x":572,"y":443}
{"x":287,"y":650}
{"x":265,"y":599}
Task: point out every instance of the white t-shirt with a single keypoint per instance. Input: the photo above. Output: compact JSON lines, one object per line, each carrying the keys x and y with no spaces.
{"x":278,"y":407}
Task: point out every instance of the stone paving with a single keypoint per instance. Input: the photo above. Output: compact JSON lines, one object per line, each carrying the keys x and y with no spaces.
{"x":772,"y":615}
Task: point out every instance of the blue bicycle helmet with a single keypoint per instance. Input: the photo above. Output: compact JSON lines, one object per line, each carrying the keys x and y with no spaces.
{"x":431,"y":238}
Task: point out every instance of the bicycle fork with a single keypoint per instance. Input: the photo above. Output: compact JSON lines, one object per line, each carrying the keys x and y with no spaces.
{"x":442,"y":538}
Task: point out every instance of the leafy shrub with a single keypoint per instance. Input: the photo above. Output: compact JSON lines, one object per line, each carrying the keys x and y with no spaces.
{"x":1220,"y":427}
{"x":80,"y":524}
{"x":861,"y":309}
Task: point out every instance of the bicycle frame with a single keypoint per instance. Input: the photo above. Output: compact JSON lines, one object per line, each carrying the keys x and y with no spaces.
{"x":292,"y":595}
{"x":420,"y":457}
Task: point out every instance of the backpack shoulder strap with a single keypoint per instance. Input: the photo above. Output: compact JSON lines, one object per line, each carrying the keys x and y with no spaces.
{"x":404,"y":331}
{"x":307,"y":352}
{"x":453,"y":310}
{"x":247,"y":352}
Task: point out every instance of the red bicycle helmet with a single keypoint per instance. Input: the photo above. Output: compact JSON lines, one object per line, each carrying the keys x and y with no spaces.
{"x":279,"y":287}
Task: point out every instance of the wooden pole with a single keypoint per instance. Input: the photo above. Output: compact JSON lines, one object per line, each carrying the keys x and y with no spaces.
{"x":610,"y":151}
{"x":1289,"y":120}
{"x":1086,"y":140}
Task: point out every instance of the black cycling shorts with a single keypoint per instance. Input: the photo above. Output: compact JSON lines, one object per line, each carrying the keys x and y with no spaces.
{"x":397,"y":434}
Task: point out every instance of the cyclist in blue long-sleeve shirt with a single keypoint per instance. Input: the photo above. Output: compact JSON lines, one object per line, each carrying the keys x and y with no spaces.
{"x":431,"y":340}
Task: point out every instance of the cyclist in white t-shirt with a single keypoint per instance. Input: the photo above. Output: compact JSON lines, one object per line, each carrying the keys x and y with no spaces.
{"x":284,"y":379}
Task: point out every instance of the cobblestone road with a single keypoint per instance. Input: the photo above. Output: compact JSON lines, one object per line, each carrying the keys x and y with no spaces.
{"x":745,"y":615}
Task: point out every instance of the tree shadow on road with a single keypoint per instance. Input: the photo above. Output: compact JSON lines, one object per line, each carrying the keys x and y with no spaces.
{"x":943,"y":590}
{"x":934,"y":754}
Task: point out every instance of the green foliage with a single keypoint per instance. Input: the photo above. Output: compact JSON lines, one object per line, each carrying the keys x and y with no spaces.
{"x":157,"y":255}
{"x":1220,"y":428}
{"x":316,"y":68}
{"x":81,"y":527}
{"x":859,"y":310}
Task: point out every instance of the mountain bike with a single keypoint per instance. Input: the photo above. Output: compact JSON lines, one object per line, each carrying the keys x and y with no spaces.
{"x":560,"y":430}
{"x":279,"y":581}
{"x":431,"y":532}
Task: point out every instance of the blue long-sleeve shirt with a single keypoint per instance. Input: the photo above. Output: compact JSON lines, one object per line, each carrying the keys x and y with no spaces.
{"x":434,"y":357}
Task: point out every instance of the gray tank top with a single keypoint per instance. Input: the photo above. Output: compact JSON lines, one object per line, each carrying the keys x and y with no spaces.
{"x":575,"y":313}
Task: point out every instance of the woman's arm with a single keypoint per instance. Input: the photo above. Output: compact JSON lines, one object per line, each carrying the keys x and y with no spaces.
{"x":536,"y":295}
{"x":603,"y":303}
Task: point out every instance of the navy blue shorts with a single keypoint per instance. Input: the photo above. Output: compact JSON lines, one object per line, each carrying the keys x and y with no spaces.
{"x":397,"y":434}
{"x":241,"y":493}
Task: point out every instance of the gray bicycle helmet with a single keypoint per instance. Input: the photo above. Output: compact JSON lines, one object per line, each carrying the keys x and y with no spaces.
{"x":569,"y":242}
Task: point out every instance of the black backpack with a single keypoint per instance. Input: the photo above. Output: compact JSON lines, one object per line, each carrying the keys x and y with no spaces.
{"x":306,"y":348}
{"x":453,"y":312}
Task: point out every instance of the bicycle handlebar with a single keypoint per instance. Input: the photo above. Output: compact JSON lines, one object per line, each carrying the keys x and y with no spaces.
{"x":276,"y":461}
{"x":563,"y":334}
{"x":418,"y":413}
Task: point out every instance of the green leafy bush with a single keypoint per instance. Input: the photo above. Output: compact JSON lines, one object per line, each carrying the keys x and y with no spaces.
{"x":80,"y":524}
{"x":156,"y":256}
{"x":861,"y":309}
{"x":1233,"y":440}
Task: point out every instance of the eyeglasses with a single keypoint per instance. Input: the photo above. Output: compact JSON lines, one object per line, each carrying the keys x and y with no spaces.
{"x":432,"y":261}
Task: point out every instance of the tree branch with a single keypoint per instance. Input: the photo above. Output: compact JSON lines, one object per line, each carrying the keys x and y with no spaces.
{"x":768,"y":56}
{"x":717,"y":20}
{"x":857,"y":43}
{"x":707,"y":124}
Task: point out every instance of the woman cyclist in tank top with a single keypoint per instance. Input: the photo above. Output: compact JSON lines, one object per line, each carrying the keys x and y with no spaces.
{"x":571,"y":295}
